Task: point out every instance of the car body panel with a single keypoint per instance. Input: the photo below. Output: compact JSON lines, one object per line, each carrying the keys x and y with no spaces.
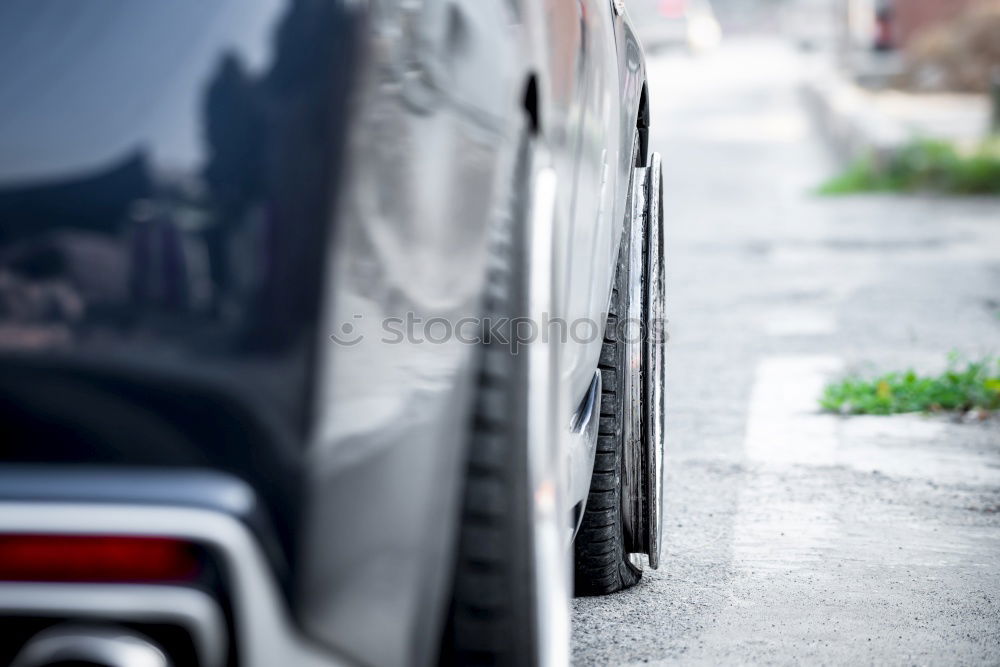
{"x":612,"y":77}
{"x":429,"y":146}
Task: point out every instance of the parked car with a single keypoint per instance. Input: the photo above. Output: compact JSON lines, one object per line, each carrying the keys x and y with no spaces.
{"x":330,"y":331}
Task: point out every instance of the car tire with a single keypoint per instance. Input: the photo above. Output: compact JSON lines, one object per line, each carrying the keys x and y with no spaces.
{"x":602,"y":563}
{"x":492,"y":618}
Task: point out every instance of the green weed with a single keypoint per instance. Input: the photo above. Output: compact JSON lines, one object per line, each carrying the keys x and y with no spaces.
{"x":923,"y":165}
{"x":976,"y":386}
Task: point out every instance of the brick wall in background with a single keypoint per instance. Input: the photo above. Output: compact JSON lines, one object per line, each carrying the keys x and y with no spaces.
{"x":911,"y":16}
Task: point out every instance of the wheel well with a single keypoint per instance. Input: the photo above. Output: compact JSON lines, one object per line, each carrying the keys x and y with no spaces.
{"x":642,"y":125}
{"x":532,"y":105}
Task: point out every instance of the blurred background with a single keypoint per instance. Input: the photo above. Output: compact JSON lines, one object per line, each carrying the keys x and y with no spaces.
{"x":901,"y":69}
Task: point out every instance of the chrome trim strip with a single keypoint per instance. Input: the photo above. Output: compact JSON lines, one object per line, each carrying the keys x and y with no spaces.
{"x":265,"y":633}
{"x":189,"y":608}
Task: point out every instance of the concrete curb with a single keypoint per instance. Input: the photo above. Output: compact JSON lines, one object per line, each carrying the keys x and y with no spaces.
{"x":857,"y":122}
{"x":848,"y":121}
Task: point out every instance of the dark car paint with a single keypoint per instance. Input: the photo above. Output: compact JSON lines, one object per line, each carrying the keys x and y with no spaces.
{"x":140,"y":145}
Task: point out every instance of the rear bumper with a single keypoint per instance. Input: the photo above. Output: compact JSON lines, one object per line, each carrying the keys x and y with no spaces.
{"x":265,"y":634}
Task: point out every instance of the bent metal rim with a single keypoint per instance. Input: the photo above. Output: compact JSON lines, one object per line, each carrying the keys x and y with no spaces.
{"x":644,"y":424}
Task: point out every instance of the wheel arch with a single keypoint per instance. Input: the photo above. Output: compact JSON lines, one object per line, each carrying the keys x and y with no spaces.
{"x":642,"y":123}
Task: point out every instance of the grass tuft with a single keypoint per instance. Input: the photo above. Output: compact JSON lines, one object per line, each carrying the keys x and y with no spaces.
{"x":974,"y":387}
{"x":924,"y":165}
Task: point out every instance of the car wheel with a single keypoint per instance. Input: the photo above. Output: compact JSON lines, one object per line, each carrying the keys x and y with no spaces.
{"x":622,"y":514}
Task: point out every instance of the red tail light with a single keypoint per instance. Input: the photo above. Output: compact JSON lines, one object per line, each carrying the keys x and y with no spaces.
{"x":90,"y":558}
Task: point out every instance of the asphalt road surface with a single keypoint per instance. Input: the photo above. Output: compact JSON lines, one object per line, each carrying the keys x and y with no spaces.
{"x":792,"y":536}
